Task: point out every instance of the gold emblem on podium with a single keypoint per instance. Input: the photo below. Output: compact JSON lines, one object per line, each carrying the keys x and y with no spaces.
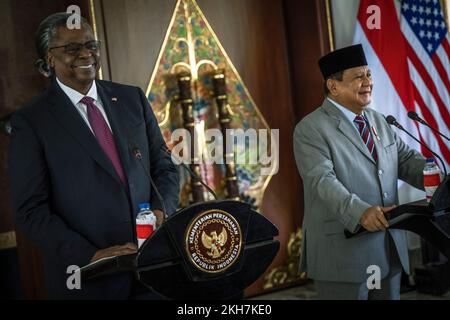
{"x":213,"y":241}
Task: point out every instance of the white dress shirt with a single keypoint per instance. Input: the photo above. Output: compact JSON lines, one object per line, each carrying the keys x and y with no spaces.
{"x":350,"y":115}
{"x":75,"y":97}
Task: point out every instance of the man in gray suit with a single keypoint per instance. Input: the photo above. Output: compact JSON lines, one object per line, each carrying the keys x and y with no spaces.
{"x":350,"y":159}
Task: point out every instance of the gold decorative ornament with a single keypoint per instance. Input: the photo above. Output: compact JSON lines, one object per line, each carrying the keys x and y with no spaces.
{"x":94,"y":27}
{"x":191,"y":51}
{"x":288,"y":273}
{"x":213,"y":241}
{"x":8,"y":240}
{"x":329,"y":24}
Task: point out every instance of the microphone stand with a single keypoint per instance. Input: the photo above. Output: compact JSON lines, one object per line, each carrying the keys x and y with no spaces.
{"x":414,"y":116}
{"x":435,"y":130}
{"x":396,"y":124}
{"x":191,"y":173}
{"x":137,"y":154}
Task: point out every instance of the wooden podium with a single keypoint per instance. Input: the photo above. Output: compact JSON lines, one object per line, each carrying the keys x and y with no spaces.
{"x":210,"y":250}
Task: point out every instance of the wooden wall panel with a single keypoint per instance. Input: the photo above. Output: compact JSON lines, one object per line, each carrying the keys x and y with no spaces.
{"x":308,"y":40}
{"x":134,"y":32}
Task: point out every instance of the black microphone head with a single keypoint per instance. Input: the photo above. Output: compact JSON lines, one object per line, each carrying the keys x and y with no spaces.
{"x":413,"y":115}
{"x":391,"y":120}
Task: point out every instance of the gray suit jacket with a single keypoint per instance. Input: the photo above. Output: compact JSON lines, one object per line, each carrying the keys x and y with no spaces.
{"x":341,"y":180}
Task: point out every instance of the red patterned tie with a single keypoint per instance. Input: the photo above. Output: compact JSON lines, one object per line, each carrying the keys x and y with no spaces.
{"x":364,"y":131}
{"x":104,"y":135}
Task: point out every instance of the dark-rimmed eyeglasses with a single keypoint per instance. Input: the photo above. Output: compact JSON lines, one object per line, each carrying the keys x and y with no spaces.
{"x":74,"y":48}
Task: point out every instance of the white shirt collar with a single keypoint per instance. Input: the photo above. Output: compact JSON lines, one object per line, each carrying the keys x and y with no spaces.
{"x":76,"y":96}
{"x":350,"y":115}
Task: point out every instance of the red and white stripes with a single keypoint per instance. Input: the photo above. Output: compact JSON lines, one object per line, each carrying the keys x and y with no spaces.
{"x":405,"y":77}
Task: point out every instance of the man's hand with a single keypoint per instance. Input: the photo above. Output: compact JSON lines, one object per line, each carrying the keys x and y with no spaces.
{"x":159,"y":217}
{"x":115,"y":251}
{"x":373,"y":219}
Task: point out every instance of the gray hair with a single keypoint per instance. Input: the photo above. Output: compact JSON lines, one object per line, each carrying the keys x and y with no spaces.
{"x":45,"y":34}
{"x":339,"y":76}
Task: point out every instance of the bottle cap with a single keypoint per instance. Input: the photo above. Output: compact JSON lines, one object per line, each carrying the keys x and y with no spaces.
{"x":144,"y":205}
{"x":430,"y":160}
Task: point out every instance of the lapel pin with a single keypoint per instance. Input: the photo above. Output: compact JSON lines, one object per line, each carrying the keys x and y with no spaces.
{"x":114,"y":99}
{"x":375,"y":133}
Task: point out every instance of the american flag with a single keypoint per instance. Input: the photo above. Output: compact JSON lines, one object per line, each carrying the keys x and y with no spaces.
{"x":410,"y":61}
{"x":426,"y":20}
{"x":428,"y":51}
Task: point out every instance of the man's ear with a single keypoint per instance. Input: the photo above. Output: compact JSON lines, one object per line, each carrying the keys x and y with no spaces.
{"x":332,"y":87}
{"x":50,"y":60}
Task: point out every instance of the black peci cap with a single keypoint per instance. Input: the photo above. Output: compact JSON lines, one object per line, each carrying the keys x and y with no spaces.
{"x":342,"y":59}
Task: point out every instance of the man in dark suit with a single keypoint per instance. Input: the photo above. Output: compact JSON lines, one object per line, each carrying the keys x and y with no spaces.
{"x":76,"y":183}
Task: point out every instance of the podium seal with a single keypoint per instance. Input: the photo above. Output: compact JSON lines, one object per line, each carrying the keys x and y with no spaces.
{"x":213,"y":241}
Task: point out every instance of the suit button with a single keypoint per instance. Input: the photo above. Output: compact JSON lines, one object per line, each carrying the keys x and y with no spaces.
{"x":380,"y":172}
{"x":385,"y":195}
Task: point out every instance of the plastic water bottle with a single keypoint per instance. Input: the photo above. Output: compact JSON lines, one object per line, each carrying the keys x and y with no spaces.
{"x":145,"y":223}
{"x":431,"y":178}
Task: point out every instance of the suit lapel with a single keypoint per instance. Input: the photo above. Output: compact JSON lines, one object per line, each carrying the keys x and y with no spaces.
{"x":67,"y":115}
{"x":347,"y":128}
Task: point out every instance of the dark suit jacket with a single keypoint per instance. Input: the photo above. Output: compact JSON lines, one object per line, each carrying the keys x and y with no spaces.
{"x":66,"y":194}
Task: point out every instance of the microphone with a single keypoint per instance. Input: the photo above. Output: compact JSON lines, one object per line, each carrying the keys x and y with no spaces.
{"x":393,"y":122}
{"x":138,"y":155}
{"x":191,"y":173}
{"x":414,"y":116}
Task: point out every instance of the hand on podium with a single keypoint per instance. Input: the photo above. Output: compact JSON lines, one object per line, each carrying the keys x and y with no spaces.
{"x":127,"y":248}
{"x":159,"y":217}
{"x":373,"y":219}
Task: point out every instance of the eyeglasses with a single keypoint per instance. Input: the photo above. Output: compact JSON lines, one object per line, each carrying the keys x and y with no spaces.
{"x":74,"y":48}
